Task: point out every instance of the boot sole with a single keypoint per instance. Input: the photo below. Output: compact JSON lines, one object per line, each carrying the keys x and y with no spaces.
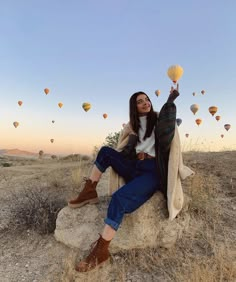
{"x":92,"y":201}
{"x":99,"y":266}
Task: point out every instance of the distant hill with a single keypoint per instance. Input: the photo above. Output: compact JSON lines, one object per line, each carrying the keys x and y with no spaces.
{"x":17,"y":152}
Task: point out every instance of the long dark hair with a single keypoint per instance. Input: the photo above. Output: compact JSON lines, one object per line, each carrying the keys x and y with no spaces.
{"x":134,"y":115}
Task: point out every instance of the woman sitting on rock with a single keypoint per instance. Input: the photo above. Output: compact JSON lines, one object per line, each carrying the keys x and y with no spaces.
{"x":142,"y":163}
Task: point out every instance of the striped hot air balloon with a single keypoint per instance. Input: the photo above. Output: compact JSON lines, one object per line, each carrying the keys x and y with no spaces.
{"x":212,"y":110}
{"x":86,"y":106}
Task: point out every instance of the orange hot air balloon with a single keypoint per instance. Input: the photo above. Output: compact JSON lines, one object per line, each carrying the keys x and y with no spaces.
{"x":222,"y":135}
{"x":212,"y":110}
{"x":186,"y":135}
{"x":60,"y":105}
{"x":51,"y":140}
{"x":217,"y":118}
{"x":104,"y":115}
{"x":46,"y":91}
{"x":158,"y":92}
{"x":203,"y":92}
{"x":20,"y":103}
{"x":198,"y":121}
{"x":227,"y":126}
{"x":175,"y":72}
{"x":16,"y":124}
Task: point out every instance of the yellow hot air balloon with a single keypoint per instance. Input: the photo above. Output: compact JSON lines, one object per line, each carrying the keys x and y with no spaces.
{"x":60,"y":105}
{"x":52,"y":140}
{"x":175,"y":72}
{"x":222,"y":135}
{"x":217,"y":118}
{"x":158,"y":92}
{"x":104,"y":115}
{"x":20,"y":103}
{"x":194,"y":108}
{"x":227,"y":126}
{"x":212,"y":110}
{"x":198,"y":121}
{"x":86,"y":106}
{"x":46,"y":91}
{"x":203,"y":92}
{"x":16,"y":124}
{"x":186,"y":135}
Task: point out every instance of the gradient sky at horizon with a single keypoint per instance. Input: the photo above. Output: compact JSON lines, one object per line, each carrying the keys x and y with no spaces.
{"x":102,"y":52}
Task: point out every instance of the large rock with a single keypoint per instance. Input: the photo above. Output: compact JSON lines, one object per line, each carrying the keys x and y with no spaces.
{"x":148,"y":226}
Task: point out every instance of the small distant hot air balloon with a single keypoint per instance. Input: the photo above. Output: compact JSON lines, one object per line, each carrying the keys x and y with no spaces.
{"x":194,"y":108}
{"x":51,"y":140}
{"x":175,"y":72}
{"x":53,"y":121}
{"x":186,"y":135}
{"x":104,"y":115}
{"x":16,"y":124}
{"x":217,"y":118}
{"x":46,"y":91}
{"x":222,"y":135}
{"x":86,"y":106}
{"x":60,"y":105}
{"x":158,"y":92}
{"x":178,"y":121}
{"x":203,"y":92}
{"x":212,"y":110}
{"x":198,"y":121}
{"x":227,"y":126}
{"x":194,"y":93}
{"x":20,"y":103}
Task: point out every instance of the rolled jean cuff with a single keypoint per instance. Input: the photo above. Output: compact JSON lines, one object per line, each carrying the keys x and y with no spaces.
{"x":99,"y":166}
{"x":112,"y":223}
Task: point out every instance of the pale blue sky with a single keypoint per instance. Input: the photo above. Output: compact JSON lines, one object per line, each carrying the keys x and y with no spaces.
{"x":102,"y":52}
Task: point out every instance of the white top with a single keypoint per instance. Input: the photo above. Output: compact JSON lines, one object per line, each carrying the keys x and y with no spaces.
{"x":147,"y":145}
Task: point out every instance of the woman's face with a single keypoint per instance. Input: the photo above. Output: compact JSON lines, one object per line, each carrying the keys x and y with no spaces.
{"x":143,"y":104}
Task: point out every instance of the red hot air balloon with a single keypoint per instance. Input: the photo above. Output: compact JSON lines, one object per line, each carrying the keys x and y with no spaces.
{"x":198,"y":121}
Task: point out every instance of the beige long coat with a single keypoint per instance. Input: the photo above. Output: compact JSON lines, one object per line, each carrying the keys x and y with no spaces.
{"x":177,"y":171}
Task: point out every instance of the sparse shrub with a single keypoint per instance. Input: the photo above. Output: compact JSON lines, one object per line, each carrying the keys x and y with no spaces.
{"x":36,"y":209}
{"x":54,"y":157}
{"x":41,"y":152}
{"x":6,"y":164}
{"x":85,"y":158}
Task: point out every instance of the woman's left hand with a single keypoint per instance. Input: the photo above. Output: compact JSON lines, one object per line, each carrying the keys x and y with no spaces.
{"x":174,"y":93}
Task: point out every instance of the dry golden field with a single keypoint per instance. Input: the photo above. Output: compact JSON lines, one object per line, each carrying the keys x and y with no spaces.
{"x":32,"y":191}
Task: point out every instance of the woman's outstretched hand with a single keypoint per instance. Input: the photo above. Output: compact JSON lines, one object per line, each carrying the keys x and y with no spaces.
{"x":174,"y":93}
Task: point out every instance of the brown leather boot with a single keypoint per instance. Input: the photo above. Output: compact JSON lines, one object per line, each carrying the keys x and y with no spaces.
{"x":87,"y":196}
{"x":97,"y":256}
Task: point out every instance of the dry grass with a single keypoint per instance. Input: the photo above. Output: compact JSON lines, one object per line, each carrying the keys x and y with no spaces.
{"x":205,"y":253}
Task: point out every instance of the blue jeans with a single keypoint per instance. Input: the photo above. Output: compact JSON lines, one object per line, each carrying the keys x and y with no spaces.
{"x":141,"y":183}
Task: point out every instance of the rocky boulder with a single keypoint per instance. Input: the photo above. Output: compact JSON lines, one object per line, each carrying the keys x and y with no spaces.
{"x":148,"y":226}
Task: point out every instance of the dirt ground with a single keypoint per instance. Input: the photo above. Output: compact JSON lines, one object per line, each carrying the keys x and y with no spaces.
{"x":27,"y":255}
